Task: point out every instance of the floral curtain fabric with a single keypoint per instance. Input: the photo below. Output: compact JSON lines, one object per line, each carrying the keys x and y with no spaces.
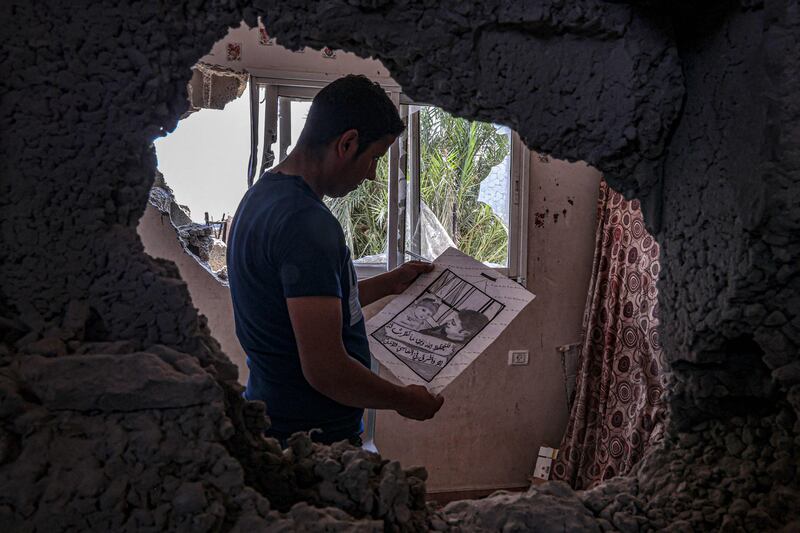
{"x":618,"y":410}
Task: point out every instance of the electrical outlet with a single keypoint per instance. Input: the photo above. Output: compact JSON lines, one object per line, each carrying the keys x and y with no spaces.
{"x":517,"y":357}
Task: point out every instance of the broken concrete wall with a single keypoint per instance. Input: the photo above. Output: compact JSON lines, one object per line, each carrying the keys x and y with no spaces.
{"x":208,"y":293}
{"x":469,"y":63}
{"x":95,"y":332}
{"x":203,"y":242}
{"x":86,"y":90}
{"x":730,"y":220}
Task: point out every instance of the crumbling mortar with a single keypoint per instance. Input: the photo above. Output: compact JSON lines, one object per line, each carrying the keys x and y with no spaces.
{"x":105,"y":87}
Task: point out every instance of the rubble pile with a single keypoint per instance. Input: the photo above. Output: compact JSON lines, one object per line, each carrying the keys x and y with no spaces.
{"x":738,"y":475}
{"x":198,"y":240}
{"x":104,"y":439}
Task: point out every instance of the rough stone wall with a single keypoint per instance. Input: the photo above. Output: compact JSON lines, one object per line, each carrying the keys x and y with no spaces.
{"x":118,"y":409}
{"x":730,"y":216}
{"x":197,"y":240}
{"x":584,"y":80}
{"x":120,"y":412}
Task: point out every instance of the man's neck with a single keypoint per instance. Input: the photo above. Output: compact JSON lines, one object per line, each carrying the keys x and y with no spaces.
{"x":301,"y":163}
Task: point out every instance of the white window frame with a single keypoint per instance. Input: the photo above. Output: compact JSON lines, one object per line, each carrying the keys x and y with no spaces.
{"x":305,"y":85}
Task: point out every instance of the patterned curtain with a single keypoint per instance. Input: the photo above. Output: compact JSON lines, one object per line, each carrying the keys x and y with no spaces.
{"x":618,"y":410}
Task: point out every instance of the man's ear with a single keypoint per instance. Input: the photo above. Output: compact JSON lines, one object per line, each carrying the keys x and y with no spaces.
{"x":347,"y":144}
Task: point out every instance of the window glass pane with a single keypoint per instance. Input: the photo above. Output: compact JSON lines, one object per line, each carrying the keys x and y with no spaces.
{"x":465,"y":175}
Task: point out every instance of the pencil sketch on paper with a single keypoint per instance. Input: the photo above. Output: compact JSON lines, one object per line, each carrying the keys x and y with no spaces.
{"x":431,"y":330}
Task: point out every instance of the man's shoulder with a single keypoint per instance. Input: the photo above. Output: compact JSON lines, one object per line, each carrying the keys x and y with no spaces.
{"x":285,"y":202}
{"x":315,"y":218}
{"x":305,"y":225}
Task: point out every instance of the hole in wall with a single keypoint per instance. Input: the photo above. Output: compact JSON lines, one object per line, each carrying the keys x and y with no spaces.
{"x":180,"y":302}
{"x":243,"y":142}
{"x":465,"y":182}
{"x":204,"y":160}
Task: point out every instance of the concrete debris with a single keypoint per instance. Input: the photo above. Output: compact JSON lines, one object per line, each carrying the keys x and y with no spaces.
{"x":550,"y":507}
{"x":162,"y":197}
{"x":216,"y":255}
{"x":198,"y":240}
{"x":125,"y":382}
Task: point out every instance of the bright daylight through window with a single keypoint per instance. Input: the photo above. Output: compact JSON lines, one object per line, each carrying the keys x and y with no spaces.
{"x":446,"y":182}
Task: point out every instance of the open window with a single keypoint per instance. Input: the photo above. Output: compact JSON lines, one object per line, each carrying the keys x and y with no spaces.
{"x":445,"y":182}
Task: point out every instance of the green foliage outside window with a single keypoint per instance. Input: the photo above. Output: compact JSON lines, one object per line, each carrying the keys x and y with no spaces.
{"x":363,"y":213}
{"x":455,"y":157}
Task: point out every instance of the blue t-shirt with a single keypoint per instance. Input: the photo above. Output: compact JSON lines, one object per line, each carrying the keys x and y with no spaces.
{"x":285,"y":243}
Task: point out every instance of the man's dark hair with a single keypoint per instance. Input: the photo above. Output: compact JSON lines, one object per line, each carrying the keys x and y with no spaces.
{"x":352,"y":102}
{"x":472,"y":321}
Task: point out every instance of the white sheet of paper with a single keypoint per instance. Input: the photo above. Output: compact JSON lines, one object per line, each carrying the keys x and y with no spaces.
{"x":434,"y":330}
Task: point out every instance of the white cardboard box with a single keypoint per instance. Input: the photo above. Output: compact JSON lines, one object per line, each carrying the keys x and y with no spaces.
{"x":544,"y":462}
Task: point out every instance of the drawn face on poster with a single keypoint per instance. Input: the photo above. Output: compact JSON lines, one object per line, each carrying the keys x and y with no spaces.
{"x":435,"y":326}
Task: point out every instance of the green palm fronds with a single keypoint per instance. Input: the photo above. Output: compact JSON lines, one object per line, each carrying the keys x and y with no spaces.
{"x":455,"y":157}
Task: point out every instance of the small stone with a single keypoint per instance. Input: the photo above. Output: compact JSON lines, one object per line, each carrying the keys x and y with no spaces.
{"x":605,"y":525}
{"x":328,"y":468}
{"x":775,"y":318}
{"x":788,"y":374}
{"x":733,"y":444}
{"x":758,"y":520}
{"x":75,"y":318}
{"x":114,"y":493}
{"x":437,"y":524}
{"x":783,"y":470}
{"x":48,"y":347}
{"x":418,"y":472}
{"x":754,"y":311}
{"x":737,"y":421}
{"x":730,"y":525}
{"x":190,"y":498}
{"x":625,"y":522}
{"x":739,"y":506}
{"x":747,"y":435}
{"x":301,"y":445}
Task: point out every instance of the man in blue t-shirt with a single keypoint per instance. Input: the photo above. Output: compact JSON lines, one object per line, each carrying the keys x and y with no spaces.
{"x":296,"y":299}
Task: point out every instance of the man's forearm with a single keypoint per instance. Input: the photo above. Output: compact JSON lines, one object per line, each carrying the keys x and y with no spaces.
{"x":373,"y":289}
{"x":354,"y":385}
{"x":392,"y":282}
{"x":329,"y":369}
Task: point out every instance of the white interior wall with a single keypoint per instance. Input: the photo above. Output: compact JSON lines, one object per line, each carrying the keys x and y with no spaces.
{"x":495,"y":416}
{"x":211,"y":297}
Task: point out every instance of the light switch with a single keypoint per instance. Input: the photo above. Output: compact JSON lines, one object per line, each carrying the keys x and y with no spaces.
{"x":517,"y":357}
